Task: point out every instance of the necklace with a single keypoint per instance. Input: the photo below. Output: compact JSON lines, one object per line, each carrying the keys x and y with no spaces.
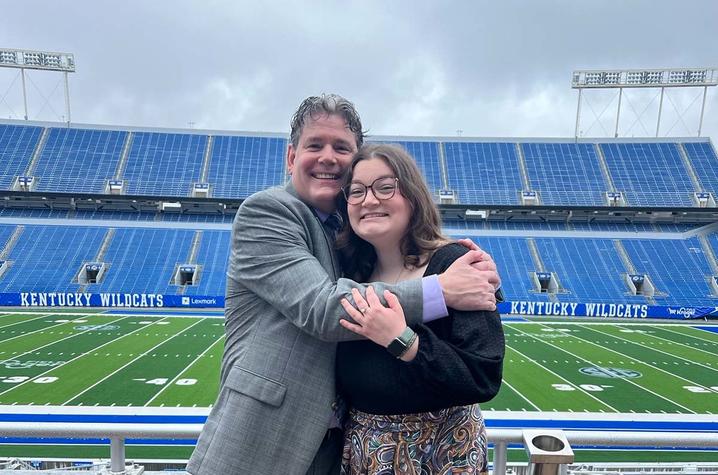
{"x":380,"y":276}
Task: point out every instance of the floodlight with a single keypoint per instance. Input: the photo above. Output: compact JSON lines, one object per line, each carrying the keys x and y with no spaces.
{"x":676,"y":77}
{"x":49,"y":60}
{"x":44,"y":60}
{"x":8,"y":57}
{"x":634,"y":77}
{"x":612,"y":78}
{"x":643,"y":78}
{"x":32,"y":59}
{"x":696,"y":76}
{"x":52,"y":60}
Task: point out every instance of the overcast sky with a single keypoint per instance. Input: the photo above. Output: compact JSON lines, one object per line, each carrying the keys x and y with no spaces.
{"x":476,"y":68}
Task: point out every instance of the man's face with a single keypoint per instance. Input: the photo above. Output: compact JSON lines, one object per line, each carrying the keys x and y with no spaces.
{"x":317,"y":164}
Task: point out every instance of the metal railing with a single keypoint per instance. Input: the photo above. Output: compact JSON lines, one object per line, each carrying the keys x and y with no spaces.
{"x":501,"y":438}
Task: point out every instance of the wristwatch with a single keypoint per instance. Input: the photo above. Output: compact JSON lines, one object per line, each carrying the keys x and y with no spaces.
{"x":402,"y":343}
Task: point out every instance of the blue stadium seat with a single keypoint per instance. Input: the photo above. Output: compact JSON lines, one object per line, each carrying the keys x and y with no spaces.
{"x":703,"y":158}
{"x":483,"y":173}
{"x":213,"y":256}
{"x":164,"y":164}
{"x":565,"y":173}
{"x":144,"y":260}
{"x":649,"y":174}
{"x":17,"y":143}
{"x":48,"y":258}
{"x":78,"y":160}
{"x":241,"y":166}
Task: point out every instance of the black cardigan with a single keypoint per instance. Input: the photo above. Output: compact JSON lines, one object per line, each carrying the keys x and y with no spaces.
{"x":460,"y":361}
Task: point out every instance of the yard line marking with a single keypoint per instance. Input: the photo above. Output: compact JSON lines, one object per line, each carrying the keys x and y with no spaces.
{"x":653,"y":364}
{"x":621,"y":377}
{"x":712,"y":342}
{"x":567,"y":381}
{"x":221,"y":337}
{"x":58,"y":341}
{"x":686,"y":360}
{"x":25,"y":321}
{"x":130,"y":362}
{"x":521,"y":395}
{"x":34,"y":331}
{"x":66,"y":362}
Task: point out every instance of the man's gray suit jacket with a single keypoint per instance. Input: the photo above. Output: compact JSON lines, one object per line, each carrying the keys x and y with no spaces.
{"x":282,"y":324}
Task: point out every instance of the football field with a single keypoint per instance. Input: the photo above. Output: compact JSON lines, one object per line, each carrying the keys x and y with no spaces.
{"x":172,"y":361}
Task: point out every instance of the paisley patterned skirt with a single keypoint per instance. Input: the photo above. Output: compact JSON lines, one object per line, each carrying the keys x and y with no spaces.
{"x":449,"y":441}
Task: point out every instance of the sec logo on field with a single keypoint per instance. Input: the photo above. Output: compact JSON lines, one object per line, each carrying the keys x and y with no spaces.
{"x":603,"y":372}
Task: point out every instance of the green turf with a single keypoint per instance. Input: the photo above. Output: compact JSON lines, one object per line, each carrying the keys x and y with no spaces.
{"x":164,"y":361}
{"x":205,"y":376}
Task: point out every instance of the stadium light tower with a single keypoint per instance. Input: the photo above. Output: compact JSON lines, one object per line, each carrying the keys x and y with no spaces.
{"x":643,"y":78}
{"x":43,"y":60}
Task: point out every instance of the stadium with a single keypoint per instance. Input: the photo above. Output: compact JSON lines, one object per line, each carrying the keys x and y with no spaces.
{"x":113,"y":249}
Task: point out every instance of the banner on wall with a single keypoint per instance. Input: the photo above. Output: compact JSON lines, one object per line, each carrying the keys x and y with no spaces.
{"x":605,"y":310}
{"x":528,"y":308}
{"x":109,"y":299}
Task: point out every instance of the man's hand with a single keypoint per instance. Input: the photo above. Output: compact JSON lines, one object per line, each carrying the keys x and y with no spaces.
{"x":470,"y":282}
{"x":486,"y":263}
{"x":373,"y":320}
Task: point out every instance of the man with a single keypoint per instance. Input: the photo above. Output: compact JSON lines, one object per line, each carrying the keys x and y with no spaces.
{"x":276,"y":405}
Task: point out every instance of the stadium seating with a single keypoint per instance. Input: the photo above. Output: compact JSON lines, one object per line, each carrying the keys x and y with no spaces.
{"x":142,"y":256}
{"x":241,"y":166}
{"x":48,"y":258}
{"x":144,"y":260}
{"x":81,"y":160}
{"x":17,"y":144}
{"x":649,"y":174}
{"x":565,"y":173}
{"x":486,"y":173}
{"x":703,"y":159}
{"x":162,"y":164}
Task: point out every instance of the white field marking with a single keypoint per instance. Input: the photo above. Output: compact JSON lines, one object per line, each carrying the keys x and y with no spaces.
{"x":34,"y":331}
{"x":696,"y":337}
{"x":24,"y":321}
{"x":130,"y":362}
{"x":652,"y":364}
{"x":521,"y":395}
{"x":578,"y":387}
{"x":628,"y":380}
{"x":659,"y":351}
{"x":72,"y":335}
{"x":81,"y":355}
{"x":171,"y":382}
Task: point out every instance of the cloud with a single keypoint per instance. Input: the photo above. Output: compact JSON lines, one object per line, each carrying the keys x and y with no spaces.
{"x":414,"y":68}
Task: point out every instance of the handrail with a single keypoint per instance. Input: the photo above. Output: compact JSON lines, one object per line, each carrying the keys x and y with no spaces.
{"x":118,"y":432}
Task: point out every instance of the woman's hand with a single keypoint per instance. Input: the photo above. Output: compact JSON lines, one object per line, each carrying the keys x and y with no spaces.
{"x":373,"y":320}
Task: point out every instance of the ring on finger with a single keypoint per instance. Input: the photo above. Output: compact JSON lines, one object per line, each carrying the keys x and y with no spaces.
{"x":363,"y":310}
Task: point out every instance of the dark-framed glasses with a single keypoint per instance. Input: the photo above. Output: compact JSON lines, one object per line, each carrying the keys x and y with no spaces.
{"x":383,"y":189}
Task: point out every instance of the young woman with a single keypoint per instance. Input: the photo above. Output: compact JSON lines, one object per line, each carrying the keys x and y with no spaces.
{"x":413,"y":392}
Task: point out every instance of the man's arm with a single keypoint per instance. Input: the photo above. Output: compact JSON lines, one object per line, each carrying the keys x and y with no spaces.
{"x":273,"y":255}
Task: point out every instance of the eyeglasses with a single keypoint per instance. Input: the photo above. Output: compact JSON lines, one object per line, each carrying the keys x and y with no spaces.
{"x":382,"y":188}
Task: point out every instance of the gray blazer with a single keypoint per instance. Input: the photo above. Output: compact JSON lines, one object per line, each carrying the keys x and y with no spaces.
{"x":282,"y":324}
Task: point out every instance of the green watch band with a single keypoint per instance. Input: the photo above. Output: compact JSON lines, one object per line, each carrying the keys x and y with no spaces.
{"x":401,"y":344}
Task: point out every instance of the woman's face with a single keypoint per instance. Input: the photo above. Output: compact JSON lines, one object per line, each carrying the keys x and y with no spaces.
{"x":378,"y":221}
